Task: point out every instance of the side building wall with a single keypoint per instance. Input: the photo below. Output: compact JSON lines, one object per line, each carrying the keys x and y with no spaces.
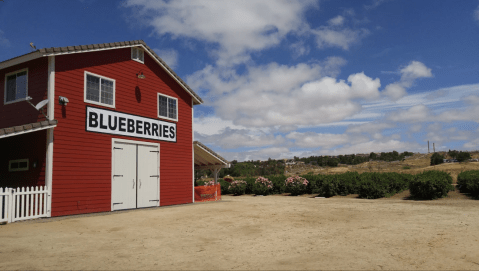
{"x":82,"y":160}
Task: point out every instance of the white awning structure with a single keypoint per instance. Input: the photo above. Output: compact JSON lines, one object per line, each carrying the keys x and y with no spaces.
{"x":205,"y":158}
{"x":27,"y":128}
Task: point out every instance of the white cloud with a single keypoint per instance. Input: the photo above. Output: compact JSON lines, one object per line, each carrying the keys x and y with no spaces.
{"x":409,"y":74}
{"x":417,"y":113}
{"x":395,"y":91}
{"x":3,"y":41}
{"x":415,"y":70}
{"x":213,"y":125}
{"x":371,"y":127}
{"x":415,"y":128}
{"x":336,"y":21}
{"x":236,"y":27}
{"x":314,"y":140}
{"x":384,"y":145}
{"x":476,"y":14}
{"x":170,"y":56}
{"x":327,"y":36}
{"x":299,"y":49}
{"x":375,"y":4}
{"x":234,"y":138}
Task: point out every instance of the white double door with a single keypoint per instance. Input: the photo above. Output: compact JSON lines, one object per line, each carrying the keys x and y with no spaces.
{"x":136,"y":179}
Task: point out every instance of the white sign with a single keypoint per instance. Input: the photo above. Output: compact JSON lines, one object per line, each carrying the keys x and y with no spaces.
{"x":116,"y":123}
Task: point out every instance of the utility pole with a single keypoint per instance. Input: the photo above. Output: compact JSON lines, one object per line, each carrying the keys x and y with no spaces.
{"x":428,"y":146}
{"x":434,"y":148}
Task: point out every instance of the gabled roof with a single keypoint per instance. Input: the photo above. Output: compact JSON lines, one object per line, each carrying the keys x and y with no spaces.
{"x":99,"y":47}
{"x":27,"y":128}
{"x":206,"y":158}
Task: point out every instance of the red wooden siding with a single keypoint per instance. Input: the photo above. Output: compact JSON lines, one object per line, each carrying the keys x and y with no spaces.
{"x":82,"y":160}
{"x":21,"y":112}
{"x":30,"y":146}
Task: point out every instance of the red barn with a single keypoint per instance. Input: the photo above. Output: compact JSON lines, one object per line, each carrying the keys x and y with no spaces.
{"x":95,"y":128}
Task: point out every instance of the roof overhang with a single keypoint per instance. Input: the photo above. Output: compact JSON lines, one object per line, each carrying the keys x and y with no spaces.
{"x":27,"y":128}
{"x":54,"y":51}
{"x":205,"y":158}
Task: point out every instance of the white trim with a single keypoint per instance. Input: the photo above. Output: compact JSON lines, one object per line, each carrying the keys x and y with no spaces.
{"x":32,"y":56}
{"x":49,"y":149}
{"x":20,"y":60}
{"x":167,"y":110}
{"x":27,"y":131}
{"x":135,"y":142}
{"x":139,"y":50}
{"x":10,"y":162}
{"x":193,"y":148}
{"x":5,"y":88}
{"x":99,"y":93}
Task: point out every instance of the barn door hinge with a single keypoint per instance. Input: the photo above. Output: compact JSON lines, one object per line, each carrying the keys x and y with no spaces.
{"x":118,"y":203}
{"x":117,"y":148}
{"x":154,"y":151}
{"x":154,"y":200}
{"x":117,"y":175}
{"x":155,"y":176}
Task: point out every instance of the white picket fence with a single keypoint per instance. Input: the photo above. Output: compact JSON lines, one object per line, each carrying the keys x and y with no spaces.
{"x":23,"y":203}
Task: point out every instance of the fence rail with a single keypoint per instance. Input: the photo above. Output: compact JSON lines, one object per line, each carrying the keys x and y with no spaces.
{"x":23,"y":203}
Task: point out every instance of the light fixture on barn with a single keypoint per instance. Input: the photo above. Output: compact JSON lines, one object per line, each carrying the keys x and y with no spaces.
{"x":140,"y":75}
{"x":39,"y":106}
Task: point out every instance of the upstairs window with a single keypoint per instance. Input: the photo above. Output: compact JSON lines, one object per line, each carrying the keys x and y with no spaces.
{"x":18,"y":165}
{"x":99,"y":90}
{"x":16,"y":86}
{"x":167,"y":107}
{"x":137,"y":54}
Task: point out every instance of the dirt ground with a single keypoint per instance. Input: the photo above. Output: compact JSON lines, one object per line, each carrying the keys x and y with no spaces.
{"x":246,"y":232}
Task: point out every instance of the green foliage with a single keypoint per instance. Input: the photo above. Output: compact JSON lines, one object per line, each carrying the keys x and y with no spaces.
{"x":262,"y":186}
{"x":224,"y":186}
{"x":378,"y":185}
{"x":339,"y":184}
{"x":238,"y":187}
{"x":315,"y":182}
{"x":406,"y":167}
{"x":453,"y":154}
{"x":330,"y":186}
{"x":463,"y":156}
{"x":296,"y":185}
{"x":431,"y":185}
{"x":436,"y":159}
{"x":278,"y":183}
{"x":468,"y":181}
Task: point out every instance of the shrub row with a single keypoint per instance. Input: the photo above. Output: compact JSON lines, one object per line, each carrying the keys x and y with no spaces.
{"x":468,"y":182}
{"x":426,"y":185}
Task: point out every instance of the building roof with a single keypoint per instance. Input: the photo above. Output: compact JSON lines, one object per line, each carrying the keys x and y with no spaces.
{"x":99,"y":47}
{"x":205,"y":157}
{"x":27,"y":128}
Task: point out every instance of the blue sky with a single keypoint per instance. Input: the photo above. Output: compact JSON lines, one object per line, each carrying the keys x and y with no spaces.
{"x":292,"y":78}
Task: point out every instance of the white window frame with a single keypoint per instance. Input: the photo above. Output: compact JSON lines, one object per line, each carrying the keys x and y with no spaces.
{"x":101,"y":77}
{"x":10,"y":169}
{"x":138,"y":59}
{"x":5,"y":88}
{"x":158,"y":107}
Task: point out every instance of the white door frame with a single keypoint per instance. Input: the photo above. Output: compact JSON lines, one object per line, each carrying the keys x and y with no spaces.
{"x":118,"y":140}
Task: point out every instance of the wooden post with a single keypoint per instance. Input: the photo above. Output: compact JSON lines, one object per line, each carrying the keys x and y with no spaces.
{"x":428,"y":146}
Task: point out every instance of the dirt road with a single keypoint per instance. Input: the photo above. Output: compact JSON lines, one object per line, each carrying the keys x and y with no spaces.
{"x":246,"y":232}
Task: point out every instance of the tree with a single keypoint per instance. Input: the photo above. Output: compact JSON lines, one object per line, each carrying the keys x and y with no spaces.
{"x":372,"y":155}
{"x":436,"y":159}
{"x":463,"y":156}
{"x":453,"y":154}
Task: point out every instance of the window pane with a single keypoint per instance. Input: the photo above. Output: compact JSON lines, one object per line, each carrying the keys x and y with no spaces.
{"x":11,"y":87}
{"x":92,"y":88}
{"x":134,"y":53}
{"x":162,"y":106}
{"x":141,"y":54}
{"x":21,"y":85}
{"x":14,"y":165}
{"x":172,"y":108}
{"x":106,"y":91}
{"x":22,"y":165}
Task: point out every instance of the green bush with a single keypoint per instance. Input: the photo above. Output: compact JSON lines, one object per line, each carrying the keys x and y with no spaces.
{"x":249,"y":185}
{"x":238,"y":187}
{"x":224,"y":186}
{"x":330,"y":186}
{"x":314,"y":183}
{"x":296,"y":185}
{"x":262,"y":186}
{"x":436,"y":159}
{"x":468,"y":181}
{"x":463,"y":156}
{"x":406,"y":167}
{"x":278,"y":183}
{"x":339,"y":184}
{"x":373,"y":185}
{"x":431,"y":185}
